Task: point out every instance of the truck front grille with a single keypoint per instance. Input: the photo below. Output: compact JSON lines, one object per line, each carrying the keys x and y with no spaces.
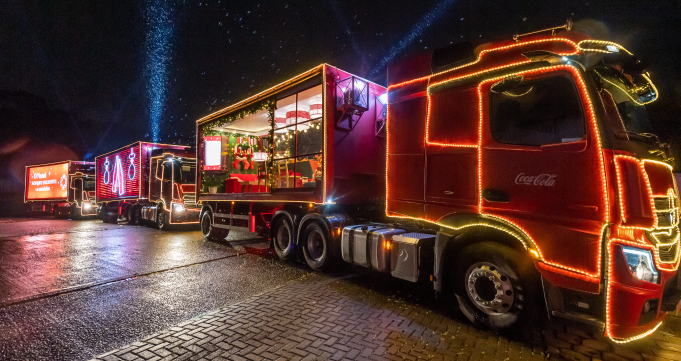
{"x":666,"y":235}
{"x":189,"y":200}
{"x":668,"y":253}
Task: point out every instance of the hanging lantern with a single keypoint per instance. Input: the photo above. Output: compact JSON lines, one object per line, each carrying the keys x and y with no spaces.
{"x":301,"y":116}
{"x":316,"y":110}
{"x":279,"y":124}
{"x":352,"y":100}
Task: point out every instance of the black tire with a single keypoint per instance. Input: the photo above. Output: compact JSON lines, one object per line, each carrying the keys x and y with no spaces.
{"x":134,"y":216}
{"x":109,"y":218}
{"x":209,"y":232}
{"x":75,"y":212}
{"x":497,"y":286}
{"x":162,"y":218}
{"x":283,"y":239}
{"x":316,"y":248}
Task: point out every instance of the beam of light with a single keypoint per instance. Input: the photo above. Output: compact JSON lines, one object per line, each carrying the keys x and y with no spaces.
{"x":158,"y":50}
{"x":346,"y":29}
{"x":439,"y":10}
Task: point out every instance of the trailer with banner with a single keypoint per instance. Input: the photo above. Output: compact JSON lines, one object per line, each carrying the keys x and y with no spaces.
{"x":147,"y":182}
{"x":62,"y":189}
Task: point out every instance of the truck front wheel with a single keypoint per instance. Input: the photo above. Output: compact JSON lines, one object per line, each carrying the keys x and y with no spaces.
{"x":316,"y":248}
{"x":209,"y":232}
{"x":284,"y":243}
{"x":497,"y":286}
{"x":162,"y":218}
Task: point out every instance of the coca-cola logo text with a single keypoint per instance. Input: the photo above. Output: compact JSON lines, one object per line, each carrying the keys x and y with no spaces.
{"x":546,"y":180}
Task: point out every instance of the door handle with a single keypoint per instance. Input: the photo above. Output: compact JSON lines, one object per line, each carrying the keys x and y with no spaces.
{"x":449,"y":192}
{"x":494,"y":195}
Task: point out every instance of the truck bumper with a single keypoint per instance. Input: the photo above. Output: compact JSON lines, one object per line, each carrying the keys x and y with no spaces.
{"x":636,"y":308}
{"x":186,"y":215}
{"x":62,"y":209}
{"x":88,"y":211}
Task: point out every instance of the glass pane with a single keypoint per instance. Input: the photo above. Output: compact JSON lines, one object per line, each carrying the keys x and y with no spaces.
{"x":284,"y":174}
{"x":309,"y":170}
{"x":537,"y":112}
{"x":185,"y":173}
{"x":88,"y":185}
{"x":310,"y":137}
{"x":285,"y":143}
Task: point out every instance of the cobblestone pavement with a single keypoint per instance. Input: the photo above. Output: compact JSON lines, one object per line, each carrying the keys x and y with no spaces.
{"x":365,"y":316}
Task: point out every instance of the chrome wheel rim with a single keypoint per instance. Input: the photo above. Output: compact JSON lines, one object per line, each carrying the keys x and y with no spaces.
{"x":489,"y":288}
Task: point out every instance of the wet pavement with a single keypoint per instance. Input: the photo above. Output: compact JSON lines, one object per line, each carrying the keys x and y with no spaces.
{"x":70,"y":290}
{"x":76,"y":290}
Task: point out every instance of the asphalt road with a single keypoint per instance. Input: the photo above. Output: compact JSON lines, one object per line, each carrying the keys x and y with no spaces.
{"x":70,"y":290}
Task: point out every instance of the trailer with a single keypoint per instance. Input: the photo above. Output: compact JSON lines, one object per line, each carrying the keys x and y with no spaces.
{"x":63,"y":188}
{"x":516,"y":176}
{"x":147,"y":183}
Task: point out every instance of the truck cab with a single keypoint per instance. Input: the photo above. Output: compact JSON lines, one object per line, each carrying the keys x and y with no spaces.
{"x":172,"y":188}
{"x":540,"y":143}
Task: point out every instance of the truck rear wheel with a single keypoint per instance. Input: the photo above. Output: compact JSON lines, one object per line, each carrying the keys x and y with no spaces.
{"x":284,"y":242}
{"x":497,"y":286}
{"x":134,"y":216}
{"x":316,"y":248}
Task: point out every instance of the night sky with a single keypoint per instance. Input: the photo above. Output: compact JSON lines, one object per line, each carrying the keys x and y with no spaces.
{"x":113,"y":66}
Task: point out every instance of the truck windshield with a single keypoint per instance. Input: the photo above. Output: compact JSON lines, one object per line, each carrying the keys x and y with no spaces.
{"x":185,"y":173}
{"x":629,"y":104}
{"x":88,"y":185}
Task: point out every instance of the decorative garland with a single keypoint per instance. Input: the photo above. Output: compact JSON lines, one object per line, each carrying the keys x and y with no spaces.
{"x":269,"y":104}
{"x":209,"y":128}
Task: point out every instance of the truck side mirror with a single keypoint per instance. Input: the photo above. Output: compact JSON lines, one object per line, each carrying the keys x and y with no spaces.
{"x":506,"y":84}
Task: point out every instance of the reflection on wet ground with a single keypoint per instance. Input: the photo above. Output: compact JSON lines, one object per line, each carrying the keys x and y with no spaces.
{"x":74,"y":289}
{"x":44,"y":256}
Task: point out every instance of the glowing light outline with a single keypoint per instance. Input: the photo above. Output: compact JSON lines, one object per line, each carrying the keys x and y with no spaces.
{"x":118,"y":184}
{"x":131,"y":159}
{"x":584,"y":95}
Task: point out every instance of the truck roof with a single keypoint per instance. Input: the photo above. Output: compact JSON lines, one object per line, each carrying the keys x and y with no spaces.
{"x":319,"y":69}
{"x":428,"y":66}
{"x":143,"y":142}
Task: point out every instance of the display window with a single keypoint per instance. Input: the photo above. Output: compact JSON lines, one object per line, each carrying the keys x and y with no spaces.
{"x":298,"y":139}
{"x":276,"y":144}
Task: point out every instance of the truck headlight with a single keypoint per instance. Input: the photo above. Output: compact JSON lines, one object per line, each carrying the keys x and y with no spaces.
{"x":641,"y":264}
{"x":86,"y":205}
{"x":178,"y":208}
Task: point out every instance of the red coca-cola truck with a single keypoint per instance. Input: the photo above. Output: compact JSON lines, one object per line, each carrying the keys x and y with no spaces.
{"x":63,"y":189}
{"x":519,"y":176}
{"x":147,"y":183}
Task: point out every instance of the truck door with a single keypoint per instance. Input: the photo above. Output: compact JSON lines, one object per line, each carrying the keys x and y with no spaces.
{"x":76,"y":190}
{"x":167,"y":183}
{"x":541,"y":165}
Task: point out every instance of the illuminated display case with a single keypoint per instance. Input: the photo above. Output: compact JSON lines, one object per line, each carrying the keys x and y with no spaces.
{"x":287,"y":143}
